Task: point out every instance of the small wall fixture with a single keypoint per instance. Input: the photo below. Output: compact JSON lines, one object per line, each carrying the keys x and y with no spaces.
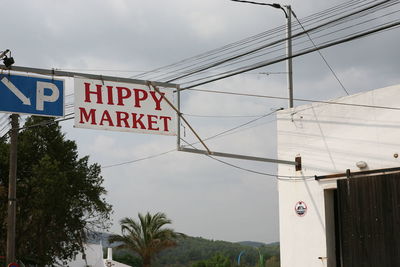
{"x":361,"y":164}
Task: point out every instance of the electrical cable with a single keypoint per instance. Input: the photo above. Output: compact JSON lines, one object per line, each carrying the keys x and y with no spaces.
{"x":296,"y":44}
{"x":47,"y":122}
{"x":172,"y":150}
{"x":283,"y":55}
{"x":140,"y":159}
{"x":225,"y":75}
{"x":296,"y":99}
{"x":329,"y":13}
{"x":322,"y":56}
{"x":368,"y":9}
{"x":278,"y":41}
{"x":243,"y":124}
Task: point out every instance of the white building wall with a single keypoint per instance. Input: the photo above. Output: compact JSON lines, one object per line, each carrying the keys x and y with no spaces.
{"x":330,"y":139}
{"x":93,"y":257}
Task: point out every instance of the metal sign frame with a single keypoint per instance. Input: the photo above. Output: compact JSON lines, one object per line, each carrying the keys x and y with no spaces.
{"x":54,"y":72}
{"x":208,"y":152}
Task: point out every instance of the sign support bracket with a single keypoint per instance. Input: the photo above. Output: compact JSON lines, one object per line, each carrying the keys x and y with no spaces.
{"x":236,"y":156}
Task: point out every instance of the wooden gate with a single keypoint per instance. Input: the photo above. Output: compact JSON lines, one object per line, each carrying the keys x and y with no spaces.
{"x":368,"y":210}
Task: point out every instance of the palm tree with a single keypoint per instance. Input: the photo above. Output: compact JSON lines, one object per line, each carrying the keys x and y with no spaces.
{"x":147,"y":236}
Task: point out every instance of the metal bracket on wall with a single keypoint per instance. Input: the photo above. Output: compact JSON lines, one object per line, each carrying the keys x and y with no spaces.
{"x":237,"y":156}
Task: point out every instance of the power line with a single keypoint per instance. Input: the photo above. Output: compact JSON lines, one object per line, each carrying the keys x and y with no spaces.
{"x":300,"y":53}
{"x":258,"y":55}
{"x":140,"y":159}
{"x":243,"y":124}
{"x":245,"y":43}
{"x":252,"y":51}
{"x":281,"y":57}
{"x":337,"y":15}
{"x":48,"y":122}
{"x":172,"y":150}
{"x":322,"y":56}
{"x":296,"y":99}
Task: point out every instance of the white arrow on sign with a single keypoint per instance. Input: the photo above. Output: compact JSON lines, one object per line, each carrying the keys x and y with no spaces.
{"x":25,"y":100}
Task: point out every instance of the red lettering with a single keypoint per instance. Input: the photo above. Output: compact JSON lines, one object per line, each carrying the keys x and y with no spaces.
{"x":139,"y":98}
{"x":137,"y":120}
{"x":122,"y":117}
{"x":97,"y":93}
{"x":165,"y":119}
{"x":157,"y":100}
{"x":110,"y":95}
{"x":87,"y":116}
{"x":151,"y":122}
{"x":106,"y":117}
{"x":121,"y":96}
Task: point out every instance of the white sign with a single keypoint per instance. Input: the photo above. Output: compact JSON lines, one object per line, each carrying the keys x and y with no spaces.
{"x":123,"y":107}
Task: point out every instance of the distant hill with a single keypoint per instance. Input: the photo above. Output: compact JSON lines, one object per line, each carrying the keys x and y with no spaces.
{"x":194,"y":249}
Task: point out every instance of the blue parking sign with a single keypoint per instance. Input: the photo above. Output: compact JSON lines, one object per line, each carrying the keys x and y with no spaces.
{"x":31,"y":95}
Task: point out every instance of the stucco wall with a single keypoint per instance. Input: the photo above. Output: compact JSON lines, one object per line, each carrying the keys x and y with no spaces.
{"x":330,"y":139}
{"x":94,"y":257}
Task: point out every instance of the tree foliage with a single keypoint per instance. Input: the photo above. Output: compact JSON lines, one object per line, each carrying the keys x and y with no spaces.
{"x":127,"y":259}
{"x":191,"y":250}
{"x":146,"y":237}
{"x":218,"y":260}
{"x":60,"y":196}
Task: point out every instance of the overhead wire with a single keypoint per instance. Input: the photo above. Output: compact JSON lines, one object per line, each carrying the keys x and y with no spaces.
{"x":224,"y":75}
{"x":322,"y":56}
{"x":306,"y":41}
{"x":320,"y":15}
{"x":205,"y":139}
{"x":367,"y":8}
{"x":321,"y":26}
{"x":282,"y":57}
{"x":215,"y":51}
{"x":139,"y":159}
{"x":296,"y":99}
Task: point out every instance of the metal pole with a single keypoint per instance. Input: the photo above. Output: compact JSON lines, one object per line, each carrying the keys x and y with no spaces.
{"x":178,"y":123}
{"x":289,"y":66}
{"x":12,"y":192}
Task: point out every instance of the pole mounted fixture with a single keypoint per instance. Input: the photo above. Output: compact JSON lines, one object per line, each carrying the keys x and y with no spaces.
{"x":8,"y":61}
{"x":274,"y":5}
{"x":289,"y":65}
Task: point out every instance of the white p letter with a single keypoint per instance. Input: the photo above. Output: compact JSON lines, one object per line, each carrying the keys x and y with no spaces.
{"x":41,"y":97}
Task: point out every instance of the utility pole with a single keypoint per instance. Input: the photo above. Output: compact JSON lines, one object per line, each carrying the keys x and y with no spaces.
{"x":289,"y":66}
{"x":12,"y":190}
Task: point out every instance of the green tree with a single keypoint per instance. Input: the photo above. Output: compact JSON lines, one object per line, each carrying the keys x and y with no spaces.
{"x":273,"y":262}
{"x":128,"y":259}
{"x":146,"y":237}
{"x":218,"y":260}
{"x":60,"y":196}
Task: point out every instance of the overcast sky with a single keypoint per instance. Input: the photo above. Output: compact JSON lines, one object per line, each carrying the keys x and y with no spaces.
{"x":203,"y":197}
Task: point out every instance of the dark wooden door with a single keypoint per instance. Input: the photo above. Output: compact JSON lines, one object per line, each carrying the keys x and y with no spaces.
{"x":369,"y":221}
